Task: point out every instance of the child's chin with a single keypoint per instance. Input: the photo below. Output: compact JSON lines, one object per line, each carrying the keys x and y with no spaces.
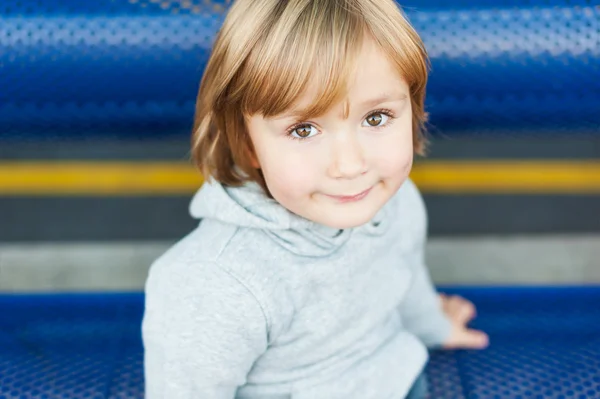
{"x":348,"y":220}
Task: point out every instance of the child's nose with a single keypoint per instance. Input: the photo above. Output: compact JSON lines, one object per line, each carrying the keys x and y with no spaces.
{"x":347,"y":160}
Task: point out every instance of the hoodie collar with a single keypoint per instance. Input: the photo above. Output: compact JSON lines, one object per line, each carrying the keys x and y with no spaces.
{"x":248,"y":206}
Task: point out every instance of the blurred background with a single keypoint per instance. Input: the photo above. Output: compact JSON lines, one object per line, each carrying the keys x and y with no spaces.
{"x":96,"y":108}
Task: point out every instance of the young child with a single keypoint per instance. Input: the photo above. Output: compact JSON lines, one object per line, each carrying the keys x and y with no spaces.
{"x":305,"y":277}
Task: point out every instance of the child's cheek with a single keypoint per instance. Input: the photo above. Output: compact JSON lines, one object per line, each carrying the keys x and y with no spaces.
{"x":393,"y":157}
{"x":291,"y":176}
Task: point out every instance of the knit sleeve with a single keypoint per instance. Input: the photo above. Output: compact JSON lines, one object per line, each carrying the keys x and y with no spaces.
{"x":421,"y":310}
{"x":201,"y":335}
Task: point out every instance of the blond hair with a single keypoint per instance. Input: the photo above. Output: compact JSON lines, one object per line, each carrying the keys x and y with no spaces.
{"x":267,"y":53}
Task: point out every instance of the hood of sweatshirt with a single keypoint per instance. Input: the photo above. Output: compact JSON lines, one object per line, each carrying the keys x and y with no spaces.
{"x":249,"y":207}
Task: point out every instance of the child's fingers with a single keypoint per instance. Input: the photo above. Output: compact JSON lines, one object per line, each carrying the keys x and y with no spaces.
{"x":475,"y":339}
{"x":469,"y":339}
{"x":465,"y":310}
{"x":459,"y":308}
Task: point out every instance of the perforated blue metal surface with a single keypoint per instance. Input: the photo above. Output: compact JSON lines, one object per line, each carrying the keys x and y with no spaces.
{"x":545,"y":344}
{"x":130,"y":68}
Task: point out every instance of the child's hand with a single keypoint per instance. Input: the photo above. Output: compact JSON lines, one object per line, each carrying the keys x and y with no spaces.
{"x":460,"y":312}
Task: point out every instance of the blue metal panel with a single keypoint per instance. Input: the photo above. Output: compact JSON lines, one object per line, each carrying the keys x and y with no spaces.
{"x":545,"y":343}
{"x":131,"y":68}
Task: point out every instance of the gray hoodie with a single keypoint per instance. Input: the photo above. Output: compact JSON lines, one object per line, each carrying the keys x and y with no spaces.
{"x":258,"y":302}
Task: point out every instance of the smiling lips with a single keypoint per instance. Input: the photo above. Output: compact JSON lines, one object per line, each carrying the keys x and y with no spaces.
{"x":351,"y":198}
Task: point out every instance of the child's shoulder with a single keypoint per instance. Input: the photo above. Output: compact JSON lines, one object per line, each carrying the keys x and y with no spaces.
{"x":214,"y":251}
{"x":190,"y":297}
{"x":409,"y":215}
{"x":409,"y":205}
{"x":207,"y":246}
{"x":203,"y":244}
{"x":217,"y":265}
{"x":409,"y":193}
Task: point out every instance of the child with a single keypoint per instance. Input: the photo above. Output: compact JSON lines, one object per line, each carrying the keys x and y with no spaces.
{"x":305,"y":278}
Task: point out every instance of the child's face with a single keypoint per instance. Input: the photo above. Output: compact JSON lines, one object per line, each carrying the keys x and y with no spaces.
{"x":334,"y":170}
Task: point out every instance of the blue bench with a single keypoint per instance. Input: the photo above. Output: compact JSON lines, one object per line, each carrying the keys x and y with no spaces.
{"x":545,"y":343}
{"x":130,"y":69}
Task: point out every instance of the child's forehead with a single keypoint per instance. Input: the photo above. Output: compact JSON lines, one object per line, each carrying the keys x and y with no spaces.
{"x":301,"y":110}
{"x":308,"y":76}
{"x":374,"y":80}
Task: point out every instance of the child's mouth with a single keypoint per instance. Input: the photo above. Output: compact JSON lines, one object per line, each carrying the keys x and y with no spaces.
{"x":351,"y":198}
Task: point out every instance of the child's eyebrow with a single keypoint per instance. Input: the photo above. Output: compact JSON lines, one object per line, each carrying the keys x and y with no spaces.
{"x":384,"y":98}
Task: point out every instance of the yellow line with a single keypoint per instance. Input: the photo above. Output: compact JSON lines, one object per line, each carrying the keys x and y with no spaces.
{"x":97,"y":178}
{"x":519,"y":177}
{"x":172,"y":178}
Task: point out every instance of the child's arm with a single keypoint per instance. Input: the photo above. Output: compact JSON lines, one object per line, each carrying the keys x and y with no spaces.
{"x":422,"y":313}
{"x":439,"y":320}
{"x":202,"y":332}
{"x":436,"y":320}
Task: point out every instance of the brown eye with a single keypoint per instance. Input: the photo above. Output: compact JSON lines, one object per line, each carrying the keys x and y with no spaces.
{"x":374,"y":120}
{"x":303,"y":132}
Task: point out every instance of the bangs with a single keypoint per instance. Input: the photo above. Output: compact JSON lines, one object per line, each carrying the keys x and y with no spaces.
{"x":308,"y":48}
